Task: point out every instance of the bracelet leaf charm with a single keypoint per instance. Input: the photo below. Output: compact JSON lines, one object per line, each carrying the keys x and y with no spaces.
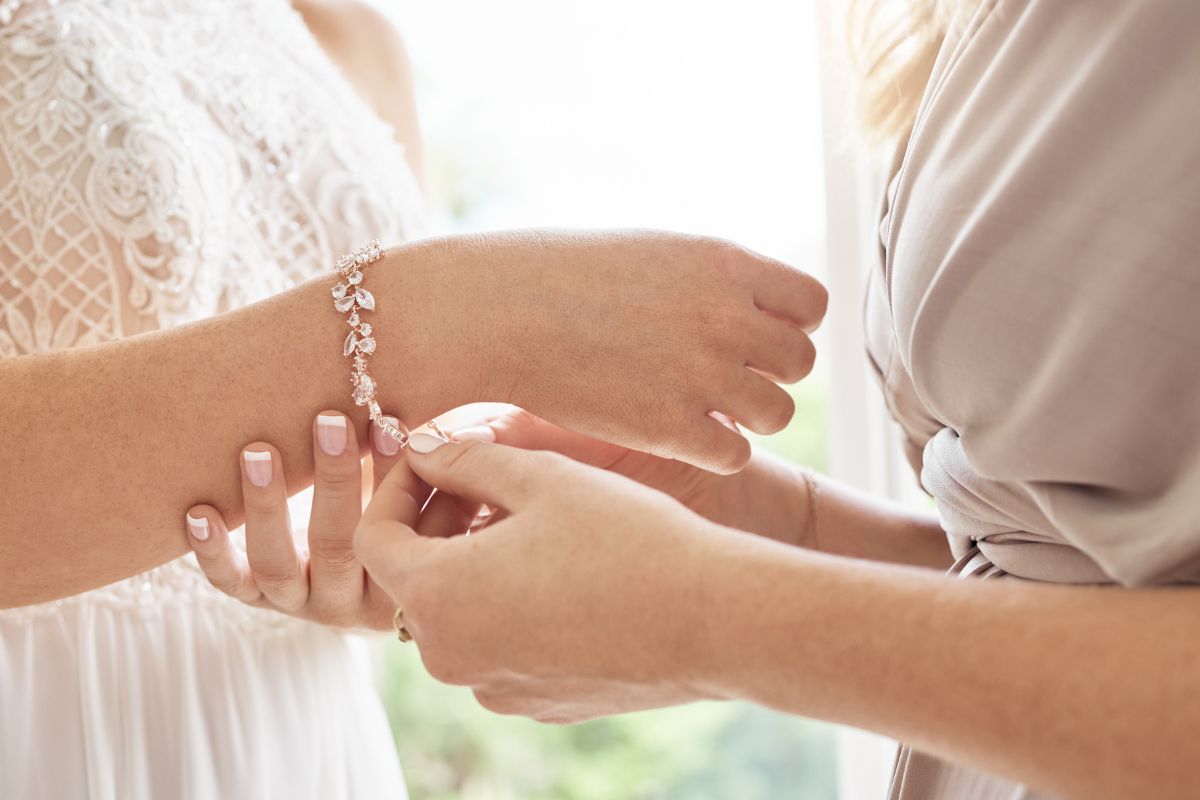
{"x":352,"y":298}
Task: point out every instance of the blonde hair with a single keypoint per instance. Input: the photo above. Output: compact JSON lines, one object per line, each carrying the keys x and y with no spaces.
{"x":893,"y":44}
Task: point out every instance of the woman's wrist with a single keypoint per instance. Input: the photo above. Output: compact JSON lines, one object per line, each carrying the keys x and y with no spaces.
{"x":770,"y":498}
{"x":732,"y":615}
{"x":424,"y":366}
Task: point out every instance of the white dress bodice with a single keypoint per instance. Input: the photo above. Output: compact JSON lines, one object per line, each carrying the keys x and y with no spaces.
{"x":162,"y":161}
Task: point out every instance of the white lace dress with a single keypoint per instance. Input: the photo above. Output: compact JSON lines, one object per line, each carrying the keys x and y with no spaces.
{"x":163,"y":161}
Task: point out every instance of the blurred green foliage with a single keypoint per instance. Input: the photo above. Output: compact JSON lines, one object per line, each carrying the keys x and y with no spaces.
{"x":452,"y":749}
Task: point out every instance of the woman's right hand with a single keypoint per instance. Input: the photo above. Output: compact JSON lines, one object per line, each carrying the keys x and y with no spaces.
{"x":630,"y":336}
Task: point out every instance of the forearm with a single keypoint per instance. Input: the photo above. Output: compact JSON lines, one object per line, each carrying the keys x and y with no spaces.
{"x":772,"y":498}
{"x":1085,"y":692}
{"x":105,"y":447}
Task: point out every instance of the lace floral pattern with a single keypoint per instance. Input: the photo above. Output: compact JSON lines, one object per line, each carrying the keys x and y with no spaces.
{"x":162,"y":161}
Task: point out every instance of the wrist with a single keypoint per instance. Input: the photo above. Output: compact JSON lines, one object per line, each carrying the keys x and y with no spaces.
{"x":729,"y":599}
{"x":751,"y":611}
{"x":770,"y":498}
{"x":422,"y":371}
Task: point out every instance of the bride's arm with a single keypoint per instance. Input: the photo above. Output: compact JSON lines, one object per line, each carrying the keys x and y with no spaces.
{"x":633,"y":336}
{"x":103,"y":446}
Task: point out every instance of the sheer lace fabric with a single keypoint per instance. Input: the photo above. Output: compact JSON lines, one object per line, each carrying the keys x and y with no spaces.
{"x":162,"y":161}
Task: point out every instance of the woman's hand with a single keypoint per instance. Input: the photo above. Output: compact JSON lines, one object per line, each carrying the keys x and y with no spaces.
{"x":770,"y":497}
{"x":323,"y":582}
{"x":588,"y":598}
{"x":630,"y":336}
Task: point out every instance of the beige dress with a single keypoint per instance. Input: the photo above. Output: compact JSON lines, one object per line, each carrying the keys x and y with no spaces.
{"x":1035,"y":323}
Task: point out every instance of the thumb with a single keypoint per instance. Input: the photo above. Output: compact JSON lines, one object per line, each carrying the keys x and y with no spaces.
{"x":486,"y":473}
{"x":385,"y":540}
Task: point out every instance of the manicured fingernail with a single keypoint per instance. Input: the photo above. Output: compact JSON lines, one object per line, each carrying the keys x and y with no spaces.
{"x":258,"y":466}
{"x":331,"y":434}
{"x":424,"y":442}
{"x":384,"y":444}
{"x":477,"y":433}
{"x":197,"y":527}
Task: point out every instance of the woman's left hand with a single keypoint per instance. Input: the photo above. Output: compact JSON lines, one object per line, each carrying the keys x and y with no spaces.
{"x":588,"y":597}
{"x":323,"y":582}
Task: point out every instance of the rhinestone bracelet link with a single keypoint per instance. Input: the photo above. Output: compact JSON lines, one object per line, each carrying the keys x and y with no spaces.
{"x":352,"y":298}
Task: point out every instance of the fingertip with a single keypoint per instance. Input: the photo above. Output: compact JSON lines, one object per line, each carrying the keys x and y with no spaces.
{"x":424,"y":444}
{"x":331,"y":431}
{"x":779,"y":415}
{"x":202,"y":522}
{"x":260,"y":461}
{"x":381,"y":443}
{"x":729,"y":450}
{"x":736,"y":458}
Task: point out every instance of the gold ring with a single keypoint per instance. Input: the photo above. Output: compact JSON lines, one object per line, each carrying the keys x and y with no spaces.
{"x":398,"y":621}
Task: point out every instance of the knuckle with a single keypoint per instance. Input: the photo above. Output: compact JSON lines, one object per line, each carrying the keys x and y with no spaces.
{"x":553,"y":716}
{"x":339,"y":477}
{"x":497,"y":702}
{"x":263,"y":503}
{"x":806,"y":357}
{"x":461,"y":457}
{"x":276,"y":578}
{"x":232,"y":584}
{"x":441,"y":668}
{"x":779,"y":412}
{"x":334,"y":614}
{"x":226,"y":584}
{"x":735,"y":457}
{"x":798,"y":362}
{"x":335,"y":556}
{"x":519,"y":421}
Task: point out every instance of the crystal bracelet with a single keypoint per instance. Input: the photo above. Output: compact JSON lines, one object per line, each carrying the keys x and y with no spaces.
{"x":352,"y":298}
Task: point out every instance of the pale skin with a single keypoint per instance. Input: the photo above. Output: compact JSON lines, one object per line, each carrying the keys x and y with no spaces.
{"x":595,"y":594}
{"x":322,"y":582}
{"x":652,"y":331}
{"x":1084,"y":692}
{"x":179,"y":404}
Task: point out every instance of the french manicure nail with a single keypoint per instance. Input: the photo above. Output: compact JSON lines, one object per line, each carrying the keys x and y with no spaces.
{"x":424,"y":443}
{"x":476,"y":433}
{"x":331,"y":434}
{"x":258,"y":466}
{"x":384,"y":444}
{"x":197,"y":527}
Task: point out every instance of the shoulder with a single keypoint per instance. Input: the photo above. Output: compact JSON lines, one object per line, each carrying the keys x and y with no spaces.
{"x":365,"y":44}
{"x":370,"y":52}
{"x":354,"y":31}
